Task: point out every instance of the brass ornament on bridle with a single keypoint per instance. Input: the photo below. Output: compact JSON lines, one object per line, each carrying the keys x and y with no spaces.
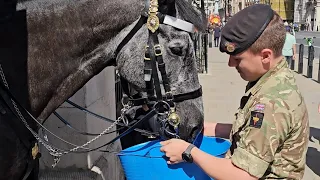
{"x":174,"y":118}
{"x":153,"y":21}
{"x":153,"y":24}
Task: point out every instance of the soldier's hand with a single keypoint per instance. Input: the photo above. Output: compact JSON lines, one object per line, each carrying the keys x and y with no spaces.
{"x":173,"y":149}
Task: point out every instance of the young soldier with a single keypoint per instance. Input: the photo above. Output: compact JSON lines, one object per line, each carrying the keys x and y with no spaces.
{"x":270,"y":133}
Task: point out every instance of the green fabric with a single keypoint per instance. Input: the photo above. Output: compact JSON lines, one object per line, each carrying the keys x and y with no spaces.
{"x":287,"y":48}
{"x":249,"y":162}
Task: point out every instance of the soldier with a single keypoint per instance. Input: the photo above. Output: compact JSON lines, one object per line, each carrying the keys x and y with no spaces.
{"x":271,"y":129}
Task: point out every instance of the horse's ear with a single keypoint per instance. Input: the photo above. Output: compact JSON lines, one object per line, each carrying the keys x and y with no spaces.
{"x":7,"y":7}
{"x":167,"y":7}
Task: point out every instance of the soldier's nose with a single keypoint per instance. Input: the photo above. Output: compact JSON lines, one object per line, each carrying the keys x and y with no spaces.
{"x":232,"y":62}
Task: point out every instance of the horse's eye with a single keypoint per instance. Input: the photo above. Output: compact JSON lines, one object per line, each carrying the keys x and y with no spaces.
{"x":177,"y":50}
{"x":178,"y":47}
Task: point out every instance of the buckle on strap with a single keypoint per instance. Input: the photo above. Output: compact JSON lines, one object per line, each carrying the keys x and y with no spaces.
{"x":157,"y":50}
{"x":169,"y":96}
{"x":146,"y":54}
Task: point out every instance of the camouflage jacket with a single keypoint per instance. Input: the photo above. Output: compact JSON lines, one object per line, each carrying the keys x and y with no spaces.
{"x":270,"y":134}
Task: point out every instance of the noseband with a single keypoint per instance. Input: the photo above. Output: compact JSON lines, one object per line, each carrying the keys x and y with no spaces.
{"x":153,"y":97}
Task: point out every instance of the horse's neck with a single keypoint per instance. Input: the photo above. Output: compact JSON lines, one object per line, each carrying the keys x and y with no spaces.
{"x":64,"y":37}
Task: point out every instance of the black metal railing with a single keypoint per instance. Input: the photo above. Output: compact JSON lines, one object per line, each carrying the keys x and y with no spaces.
{"x":309,"y":63}
{"x":118,"y":94}
{"x":200,"y":41}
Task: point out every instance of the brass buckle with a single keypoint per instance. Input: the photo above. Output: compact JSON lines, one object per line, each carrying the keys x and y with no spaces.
{"x":169,"y":96}
{"x":147,"y":58}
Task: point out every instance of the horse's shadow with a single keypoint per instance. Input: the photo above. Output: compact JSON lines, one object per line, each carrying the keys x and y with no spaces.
{"x":313,"y":154}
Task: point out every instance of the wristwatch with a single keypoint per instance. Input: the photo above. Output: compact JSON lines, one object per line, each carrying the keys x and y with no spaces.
{"x":186,"y":155}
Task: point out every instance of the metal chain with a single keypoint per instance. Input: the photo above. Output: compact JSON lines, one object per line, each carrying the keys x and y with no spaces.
{"x":52,"y":151}
{"x":97,"y":137}
{"x":125,"y":108}
{"x":55,"y":152}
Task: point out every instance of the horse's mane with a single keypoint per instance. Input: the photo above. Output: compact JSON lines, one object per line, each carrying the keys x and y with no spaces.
{"x":189,"y":13}
{"x":186,"y":10}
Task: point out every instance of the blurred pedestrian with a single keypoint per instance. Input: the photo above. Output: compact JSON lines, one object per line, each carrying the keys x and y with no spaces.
{"x":217,"y":31}
{"x":289,"y":48}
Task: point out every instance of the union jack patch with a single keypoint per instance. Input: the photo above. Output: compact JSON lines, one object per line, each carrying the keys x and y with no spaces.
{"x":259,"y":107}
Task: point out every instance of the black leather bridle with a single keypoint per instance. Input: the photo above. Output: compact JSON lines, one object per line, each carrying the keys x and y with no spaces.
{"x":153,"y":61}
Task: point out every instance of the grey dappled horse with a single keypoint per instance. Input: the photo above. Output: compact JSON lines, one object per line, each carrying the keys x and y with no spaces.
{"x":51,"y":48}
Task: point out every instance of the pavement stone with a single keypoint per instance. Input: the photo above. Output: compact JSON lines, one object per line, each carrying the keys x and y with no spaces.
{"x":223,"y":89}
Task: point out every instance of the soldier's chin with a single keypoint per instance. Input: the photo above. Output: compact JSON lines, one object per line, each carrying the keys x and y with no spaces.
{"x":247,"y":78}
{"x":243,"y":76}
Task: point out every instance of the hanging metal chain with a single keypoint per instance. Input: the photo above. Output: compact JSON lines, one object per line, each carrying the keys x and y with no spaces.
{"x":55,"y":152}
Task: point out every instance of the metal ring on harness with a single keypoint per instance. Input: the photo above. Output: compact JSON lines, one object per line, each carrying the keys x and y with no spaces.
{"x":157,"y":108}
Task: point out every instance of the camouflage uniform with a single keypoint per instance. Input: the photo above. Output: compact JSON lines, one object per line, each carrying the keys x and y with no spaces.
{"x":270,"y":134}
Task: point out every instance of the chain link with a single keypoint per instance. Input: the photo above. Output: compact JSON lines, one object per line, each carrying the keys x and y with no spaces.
{"x":125,"y":108}
{"x":56,"y":152}
{"x":97,"y":137}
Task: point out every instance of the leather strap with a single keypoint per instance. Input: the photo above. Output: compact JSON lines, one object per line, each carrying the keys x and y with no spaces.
{"x":186,"y":96}
{"x":133,"y":31}
{"x":154,"y":69}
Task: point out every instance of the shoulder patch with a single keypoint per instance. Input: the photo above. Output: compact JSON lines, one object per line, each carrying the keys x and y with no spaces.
{"x":256,"y":119}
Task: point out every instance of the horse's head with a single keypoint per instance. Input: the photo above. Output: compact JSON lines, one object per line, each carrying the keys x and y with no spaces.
{"x":140,"y":61}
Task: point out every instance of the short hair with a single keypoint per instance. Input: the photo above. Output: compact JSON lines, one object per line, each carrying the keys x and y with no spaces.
{"x":273,"y":37}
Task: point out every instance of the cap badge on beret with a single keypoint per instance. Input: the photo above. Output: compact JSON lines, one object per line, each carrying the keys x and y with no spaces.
{"x":230,"y":47}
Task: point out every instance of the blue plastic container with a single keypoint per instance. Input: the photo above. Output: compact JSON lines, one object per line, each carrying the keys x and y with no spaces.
{"x":146,"y":162}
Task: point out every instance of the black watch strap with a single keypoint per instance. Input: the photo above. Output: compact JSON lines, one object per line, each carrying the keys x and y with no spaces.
{"x":189,"y":148}
{"x":186,"y":155}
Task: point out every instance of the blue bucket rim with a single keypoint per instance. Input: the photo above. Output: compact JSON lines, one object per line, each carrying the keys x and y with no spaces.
{"x":140,"y":147}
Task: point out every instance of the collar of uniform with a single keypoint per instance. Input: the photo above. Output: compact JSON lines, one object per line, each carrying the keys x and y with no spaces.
{"x":281,"y":64}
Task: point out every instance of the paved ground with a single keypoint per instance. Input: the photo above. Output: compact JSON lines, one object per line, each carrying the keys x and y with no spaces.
{"x":223,"y":88}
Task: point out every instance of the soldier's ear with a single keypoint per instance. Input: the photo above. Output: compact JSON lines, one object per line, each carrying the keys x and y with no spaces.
{"x":266,"y":56}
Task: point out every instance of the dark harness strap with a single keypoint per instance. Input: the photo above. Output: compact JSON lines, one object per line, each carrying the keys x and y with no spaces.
{"x":155,"y":76}
{"x":159,"y":59}
{"x":148,"y":74}
{"x":186,"y":96}
{"x":133,"y":31}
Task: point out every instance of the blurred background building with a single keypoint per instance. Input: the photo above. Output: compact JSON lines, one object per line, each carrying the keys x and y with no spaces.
{"x":301,"y":14}
{"x":307,"y":14}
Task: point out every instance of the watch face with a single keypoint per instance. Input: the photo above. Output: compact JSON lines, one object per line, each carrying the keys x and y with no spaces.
{"x":187,"y":157}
